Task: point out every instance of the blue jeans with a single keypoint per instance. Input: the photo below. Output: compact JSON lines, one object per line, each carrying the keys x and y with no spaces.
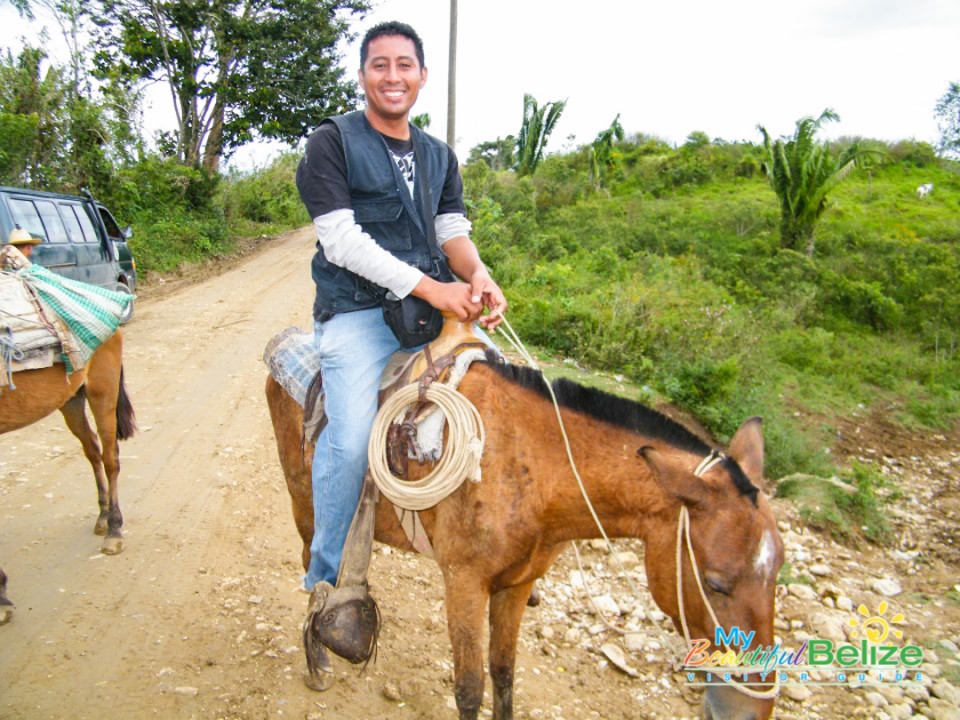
{"x":354,"y":350}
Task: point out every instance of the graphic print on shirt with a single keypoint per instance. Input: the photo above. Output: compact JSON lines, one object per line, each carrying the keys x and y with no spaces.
{"x":408,"y":168}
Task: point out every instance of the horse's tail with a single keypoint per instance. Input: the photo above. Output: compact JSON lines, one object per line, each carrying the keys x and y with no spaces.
{"x":126,"y":419}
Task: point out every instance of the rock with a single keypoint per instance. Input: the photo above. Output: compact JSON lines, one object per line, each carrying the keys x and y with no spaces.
{"x":820,"y":570}
{"x":572,"y":636}
{"x":634,"y":642}
{"x":657,"y":616}
{"x":827,"y":627}
{"x":391,"y":692}
{"x":942,"y":710}
{"x":546,"y":632}
{"x":888,"y":587}
{"x":917,"y":692}
{"x":930,"y":670}
{"x":876,"y":699}
{"x":844,"y":603}
{"x":945,"y":691}
{"x":190,"y":691}
{"x":950,"y":646}
{"x":627,"y":559}
{"x":804,"y":592}
{"x":901,"y":711}
{"x":605,"y":605}
{"x":254,"y":599}
{"x":615,"y":655}
{"x":797,"y":693}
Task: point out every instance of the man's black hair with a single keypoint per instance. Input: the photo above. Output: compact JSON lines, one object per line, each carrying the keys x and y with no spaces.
{"x":391,"y":28}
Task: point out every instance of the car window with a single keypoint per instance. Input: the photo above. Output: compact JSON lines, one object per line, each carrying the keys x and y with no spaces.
{"x":26,"y":216}
{"x":56,"y":232}
{"x":70,"y":221}
{"x":88,"y":232}
{"x":113,"y":230}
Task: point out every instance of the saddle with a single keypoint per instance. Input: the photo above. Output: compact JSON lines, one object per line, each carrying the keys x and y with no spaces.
{"x":345,"y":619}
{"x":32,"y":336}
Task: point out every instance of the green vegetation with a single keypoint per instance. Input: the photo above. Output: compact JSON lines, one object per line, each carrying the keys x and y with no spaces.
{"x":848,"y":516}
{"x":803,"y":172}
{"x":535,"y":131}
{"x":674,"y":277}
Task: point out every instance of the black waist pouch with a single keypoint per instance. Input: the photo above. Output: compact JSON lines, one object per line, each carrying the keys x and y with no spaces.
{"x":413,"y":321}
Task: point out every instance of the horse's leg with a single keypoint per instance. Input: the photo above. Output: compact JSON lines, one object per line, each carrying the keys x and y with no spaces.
{"x":466,"y":606}
{"x":6,"y":607}
{"x":506,"y":610}
{"x":104,"y":389}
{"x":74,"y":413}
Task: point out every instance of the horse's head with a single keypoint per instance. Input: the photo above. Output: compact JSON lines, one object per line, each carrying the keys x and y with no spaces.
{"x":737,"y":552}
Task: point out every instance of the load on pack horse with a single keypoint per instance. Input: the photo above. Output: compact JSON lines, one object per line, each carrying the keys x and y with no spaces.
{"x":647,"y":476}
{"x":28,"y":395}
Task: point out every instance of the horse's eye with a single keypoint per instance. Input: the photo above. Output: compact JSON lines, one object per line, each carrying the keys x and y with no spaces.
{"x":718,"y":586}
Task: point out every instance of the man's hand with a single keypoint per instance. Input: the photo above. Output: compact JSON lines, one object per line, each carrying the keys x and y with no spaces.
{"x":455,"y":297}
{"x":486,"y":292}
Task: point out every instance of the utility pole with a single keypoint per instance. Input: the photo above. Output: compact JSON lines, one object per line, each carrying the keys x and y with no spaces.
{"x":452,"y":79}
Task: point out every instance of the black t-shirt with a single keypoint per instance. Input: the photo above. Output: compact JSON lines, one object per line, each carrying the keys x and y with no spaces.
{"x":322,"y":173}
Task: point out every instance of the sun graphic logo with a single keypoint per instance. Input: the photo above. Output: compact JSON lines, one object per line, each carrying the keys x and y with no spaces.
{"x":875,"y":628}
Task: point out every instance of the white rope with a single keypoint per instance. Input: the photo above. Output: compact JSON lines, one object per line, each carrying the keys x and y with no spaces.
{"x":511,"y":336}
{"x":460,"y":460}
{"x":683,"y":528}
{"x":683,"y":534}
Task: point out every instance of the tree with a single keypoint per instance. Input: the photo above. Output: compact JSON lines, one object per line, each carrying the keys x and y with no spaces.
{"x":538,"y":123}
{"x":32,"y":120}
{"x":235,"y":68}
{"x":602,"y":157}
{"x":422,"y":121}
{"x":802,"y":173}
{"x":948,"y":120}
{"x":497,"y":154}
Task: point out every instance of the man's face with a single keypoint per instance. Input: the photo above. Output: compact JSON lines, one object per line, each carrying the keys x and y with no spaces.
{"x":26,"y":250}
{"x":391,"y":78}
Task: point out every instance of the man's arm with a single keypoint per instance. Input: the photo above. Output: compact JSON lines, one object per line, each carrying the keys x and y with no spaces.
{"x":465,"y":262}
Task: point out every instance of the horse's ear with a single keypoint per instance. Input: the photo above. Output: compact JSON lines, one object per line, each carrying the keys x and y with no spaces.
{"x":672,"y":477}
{"x":746,"y":448}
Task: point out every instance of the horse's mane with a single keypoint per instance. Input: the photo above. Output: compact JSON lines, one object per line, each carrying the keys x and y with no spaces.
{"x":621,"y":412}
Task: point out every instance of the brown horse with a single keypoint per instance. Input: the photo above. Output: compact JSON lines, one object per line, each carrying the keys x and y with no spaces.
{"x":40,"y":392}
{"x":493,"y":539}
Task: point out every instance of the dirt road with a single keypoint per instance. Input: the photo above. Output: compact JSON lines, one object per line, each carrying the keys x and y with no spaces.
{"x":200,"y":616}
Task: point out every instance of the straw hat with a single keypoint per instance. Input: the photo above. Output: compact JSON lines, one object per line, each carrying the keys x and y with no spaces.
{"x":19,"y":236}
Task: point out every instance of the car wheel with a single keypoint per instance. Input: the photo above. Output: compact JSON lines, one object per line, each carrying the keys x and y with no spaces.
{"x":128,"y":313}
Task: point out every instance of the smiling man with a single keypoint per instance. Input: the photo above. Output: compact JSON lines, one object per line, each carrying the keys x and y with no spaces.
{"x":376,"y":186}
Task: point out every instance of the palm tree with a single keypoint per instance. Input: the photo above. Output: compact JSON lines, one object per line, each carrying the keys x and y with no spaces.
{"x":538,"y":123}
{"x":601,"y":151}
{"x":802,"y":173}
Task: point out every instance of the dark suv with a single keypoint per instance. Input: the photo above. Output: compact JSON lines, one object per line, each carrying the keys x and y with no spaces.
{"x":80,"y":238}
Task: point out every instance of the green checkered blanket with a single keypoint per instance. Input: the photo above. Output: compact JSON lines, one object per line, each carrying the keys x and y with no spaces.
{"x":91,"y":313}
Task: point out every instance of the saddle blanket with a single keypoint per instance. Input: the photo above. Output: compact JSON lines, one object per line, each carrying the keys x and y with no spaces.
{"x":294,"y":362}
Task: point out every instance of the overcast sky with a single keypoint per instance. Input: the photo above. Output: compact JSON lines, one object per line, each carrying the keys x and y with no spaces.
{"x":670,"y":68}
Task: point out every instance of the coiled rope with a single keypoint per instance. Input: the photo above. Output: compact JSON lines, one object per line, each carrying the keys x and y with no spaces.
{"x":460,"y":460}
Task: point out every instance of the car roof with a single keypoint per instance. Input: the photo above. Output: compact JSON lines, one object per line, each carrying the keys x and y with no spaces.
{"x":40,"y":193}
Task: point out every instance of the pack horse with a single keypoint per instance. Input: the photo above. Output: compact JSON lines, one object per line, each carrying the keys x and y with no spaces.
{"x":99,"y":384}
{"x":647,"y":478}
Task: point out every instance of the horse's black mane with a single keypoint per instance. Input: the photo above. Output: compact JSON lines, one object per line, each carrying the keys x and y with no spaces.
{"x":621,"y":412}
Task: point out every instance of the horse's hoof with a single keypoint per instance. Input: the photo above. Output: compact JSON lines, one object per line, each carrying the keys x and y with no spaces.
{"x":6,"y":615}
{"x":100,"y":528}
{"x":112,"y":546}
{"x":323,"y":680}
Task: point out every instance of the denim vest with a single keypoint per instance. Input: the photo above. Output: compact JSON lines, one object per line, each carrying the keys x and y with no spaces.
{"x":382,"y":206}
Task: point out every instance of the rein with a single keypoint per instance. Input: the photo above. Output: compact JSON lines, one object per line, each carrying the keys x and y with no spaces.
{"x":683,"y":525}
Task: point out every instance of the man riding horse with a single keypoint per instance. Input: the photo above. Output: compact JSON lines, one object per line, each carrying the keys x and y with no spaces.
{"x":384,"y":196}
